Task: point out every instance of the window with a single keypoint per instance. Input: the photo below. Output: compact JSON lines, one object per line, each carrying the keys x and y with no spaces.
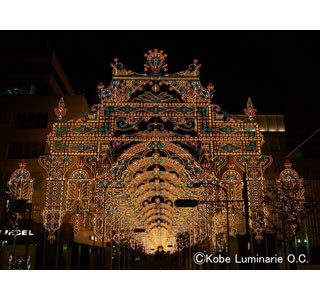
{"x":18,"y":90}
{"x":26,"y":149}
{"x":31,"y":120}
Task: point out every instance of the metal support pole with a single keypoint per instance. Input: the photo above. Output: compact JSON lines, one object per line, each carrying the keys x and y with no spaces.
{"x":246,"y":207}
{"x":103,"y":224}
{"x":94,"y":253}
{"x":252,"y":250}
{"x":267,"y":250}
{"x":79,"y":257}
{"x":44,"y":249}
{"x":14,"y":247}
{"x":57,"y":249}
{"x":284,"y":242}
{"x":190,"y":254}
{"x":246,"y":203}
{"x":111,"y":250}
{"x":27,"y":237}
{"x":307,"y":239}
{"x":207,"y":223}
{"x":228,"y":236}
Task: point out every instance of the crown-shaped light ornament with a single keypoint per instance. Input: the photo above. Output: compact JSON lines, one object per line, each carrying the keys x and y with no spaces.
{"x":155,"y":62}
{"x":250,"y":111}
{"x":60,"y":110}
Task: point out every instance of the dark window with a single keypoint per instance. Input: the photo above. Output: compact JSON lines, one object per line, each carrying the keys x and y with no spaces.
{"x":4,"y":117}
{"x":31,"y":120}
{"x":24,"y":89}
{"x":14,"y":90}
{"x":26,"y":149}
{"x":3,"y":150}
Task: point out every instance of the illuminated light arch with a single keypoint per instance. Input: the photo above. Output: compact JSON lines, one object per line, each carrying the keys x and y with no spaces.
{"x":151,"y":134}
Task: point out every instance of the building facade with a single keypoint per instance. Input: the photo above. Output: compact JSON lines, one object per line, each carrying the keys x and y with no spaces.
{"x":31,"y":84}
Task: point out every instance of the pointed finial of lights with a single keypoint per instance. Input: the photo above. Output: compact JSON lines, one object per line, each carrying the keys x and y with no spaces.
{"x":155,"y":62}
{"x":210,"y":86}
{"x":100,"y":89}
{"x":250,"y":111}
{"x":287,"y":164}
{"x":116,"y":66}
{"x":258,"y":238}
{"x":230,"y":164}
{"x":22,"y":164}
{"x":81,"y":162}
{"x":76,"y":220}
{"x":51,"y":238}
{"x":100,"y":86}
{"x":60,"y":110}
{"x":193,"y":69}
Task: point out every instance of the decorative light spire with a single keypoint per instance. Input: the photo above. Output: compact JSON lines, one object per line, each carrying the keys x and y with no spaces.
{"x":210,"y":87}
{"x":22,"y":164}
{"x":155,"y":62}
{"x":100,"y":86}
{"x":250,"y":111}
{"x":287,"y":164}
{"x":61,"y":110}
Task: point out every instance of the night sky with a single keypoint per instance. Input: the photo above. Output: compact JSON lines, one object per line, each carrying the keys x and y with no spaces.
{"x":278,"y":69}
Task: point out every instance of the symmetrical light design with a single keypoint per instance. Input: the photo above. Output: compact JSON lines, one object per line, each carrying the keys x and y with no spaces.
{"x":61,"y":110}
{"x":21,"y":183}
{"x":250,"y":111}
{"x":153,"y":138}
{"x":232,"y":185}
{"x":291,"y":195}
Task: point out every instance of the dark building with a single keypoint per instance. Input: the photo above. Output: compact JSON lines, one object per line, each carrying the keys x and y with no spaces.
{"x":31,"y":85}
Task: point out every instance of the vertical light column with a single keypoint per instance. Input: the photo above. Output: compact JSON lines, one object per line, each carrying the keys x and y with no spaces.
{"x":53,"y":211}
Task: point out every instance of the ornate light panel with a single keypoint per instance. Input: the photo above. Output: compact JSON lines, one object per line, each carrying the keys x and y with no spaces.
{"x":155,"y":107}
{"x":21,"y":183}
{"x":291,"y":195}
